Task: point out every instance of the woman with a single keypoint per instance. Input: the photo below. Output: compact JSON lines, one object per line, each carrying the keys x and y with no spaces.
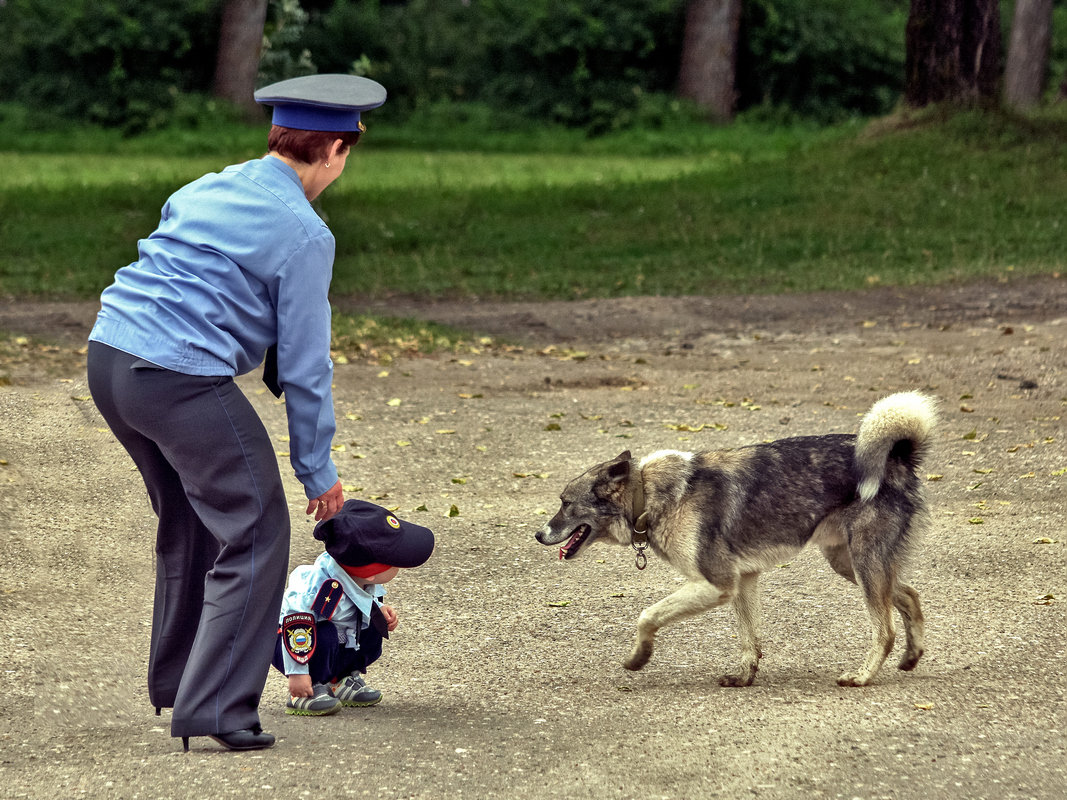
{"x":240,"y":265}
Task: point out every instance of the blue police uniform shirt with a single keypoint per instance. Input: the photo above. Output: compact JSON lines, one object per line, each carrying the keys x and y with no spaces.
{"x":240,"y":261}
{"x":351,"y":614}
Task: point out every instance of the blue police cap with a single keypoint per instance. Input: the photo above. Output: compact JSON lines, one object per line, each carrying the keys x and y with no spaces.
{"x":321,"y":102}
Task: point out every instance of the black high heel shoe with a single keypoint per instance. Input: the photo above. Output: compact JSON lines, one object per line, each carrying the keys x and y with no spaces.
{"x":245,"y":739}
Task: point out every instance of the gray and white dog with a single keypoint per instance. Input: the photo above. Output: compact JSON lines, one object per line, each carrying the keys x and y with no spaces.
{"x":722,"y":517}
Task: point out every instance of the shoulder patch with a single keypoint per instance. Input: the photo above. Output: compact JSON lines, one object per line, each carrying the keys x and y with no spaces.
{"x":326,"y":601}
{"x":298,"y":634}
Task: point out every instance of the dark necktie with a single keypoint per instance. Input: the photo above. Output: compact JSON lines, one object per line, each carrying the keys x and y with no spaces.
{"x":270,"y":371}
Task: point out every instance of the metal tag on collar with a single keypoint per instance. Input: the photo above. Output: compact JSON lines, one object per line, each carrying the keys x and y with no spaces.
{"x":639,"y":541}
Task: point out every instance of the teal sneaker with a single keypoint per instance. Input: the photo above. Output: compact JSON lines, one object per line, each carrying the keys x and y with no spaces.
{"x":322,"y":704}
{"x":353,"y":691}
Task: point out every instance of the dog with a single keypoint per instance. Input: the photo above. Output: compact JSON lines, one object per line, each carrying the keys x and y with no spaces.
{"x":720,"y":518}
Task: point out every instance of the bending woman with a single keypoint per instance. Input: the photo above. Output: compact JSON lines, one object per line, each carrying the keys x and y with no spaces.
{"x":239,"y":268}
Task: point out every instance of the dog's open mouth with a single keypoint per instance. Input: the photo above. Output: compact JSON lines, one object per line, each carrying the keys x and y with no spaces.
{"x":577,"y":539}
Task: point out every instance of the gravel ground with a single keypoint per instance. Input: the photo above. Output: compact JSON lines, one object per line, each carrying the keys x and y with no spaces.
{"x":504,"y":678}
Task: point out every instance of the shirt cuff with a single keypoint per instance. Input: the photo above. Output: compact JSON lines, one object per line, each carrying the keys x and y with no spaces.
{"x":321,"y":482}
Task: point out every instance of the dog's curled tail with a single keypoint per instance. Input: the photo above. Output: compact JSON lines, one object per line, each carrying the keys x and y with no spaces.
{"x":898,"y":427}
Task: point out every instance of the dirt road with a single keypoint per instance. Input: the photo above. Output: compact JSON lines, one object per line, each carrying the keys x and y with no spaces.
{"x":504,"y":678}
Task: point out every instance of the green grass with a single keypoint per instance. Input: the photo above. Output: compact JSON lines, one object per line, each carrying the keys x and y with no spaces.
{"x":695,"y":211}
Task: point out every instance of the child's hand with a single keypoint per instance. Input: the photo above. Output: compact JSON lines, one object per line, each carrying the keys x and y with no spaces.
{"x":390,"y":617}
{"x":300,"y":686}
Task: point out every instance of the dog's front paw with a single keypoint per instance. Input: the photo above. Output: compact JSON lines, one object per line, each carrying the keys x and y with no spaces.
{"x":639,"y":657}
{"x":743,"y":678}
{"x":853,"y":679}
{"x":735,"y":681}
{"x":910,"y":659}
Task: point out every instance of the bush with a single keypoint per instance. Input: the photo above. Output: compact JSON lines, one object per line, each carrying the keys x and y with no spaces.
{"x":115,"y":62}
{"x":821,"y":60}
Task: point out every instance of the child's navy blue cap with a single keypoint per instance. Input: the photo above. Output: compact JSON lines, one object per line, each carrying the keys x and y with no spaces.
{"x":321,"y":102}
{"x":362,"y":533}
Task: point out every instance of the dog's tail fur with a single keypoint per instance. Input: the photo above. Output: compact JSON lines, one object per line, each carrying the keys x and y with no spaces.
{"x":896,"y":427}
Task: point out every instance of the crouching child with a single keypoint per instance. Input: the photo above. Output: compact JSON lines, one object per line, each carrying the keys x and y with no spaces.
{"x":333,"y":621}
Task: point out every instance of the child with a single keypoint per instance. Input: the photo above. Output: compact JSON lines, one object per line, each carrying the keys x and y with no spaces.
{"x":332,"y":618}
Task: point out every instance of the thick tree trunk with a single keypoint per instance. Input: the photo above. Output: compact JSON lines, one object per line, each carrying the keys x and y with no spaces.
{"x":953,"y":51}
{"x":240,"y":42}
{"x":709,"y":55}
{"x":1028,"y":49}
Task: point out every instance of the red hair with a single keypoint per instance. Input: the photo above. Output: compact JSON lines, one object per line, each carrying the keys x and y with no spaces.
{"x":307,"y":147}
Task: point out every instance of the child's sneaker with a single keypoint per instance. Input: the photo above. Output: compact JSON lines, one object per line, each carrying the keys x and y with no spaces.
{"x":352,"y":691}
{"x":320,"y":705}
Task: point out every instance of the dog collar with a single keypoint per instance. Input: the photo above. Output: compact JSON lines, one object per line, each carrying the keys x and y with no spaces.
{"x":639,"y":529}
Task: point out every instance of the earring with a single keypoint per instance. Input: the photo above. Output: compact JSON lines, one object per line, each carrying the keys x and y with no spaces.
{"x":326,"y":164}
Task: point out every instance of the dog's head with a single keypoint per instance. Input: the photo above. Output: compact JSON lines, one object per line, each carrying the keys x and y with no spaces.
{"x":594,"y":506}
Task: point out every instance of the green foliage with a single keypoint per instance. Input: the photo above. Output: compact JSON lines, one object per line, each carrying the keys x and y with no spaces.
{"x":118,"y":62}
{"x":821,"y":60}
{"x":585,"y":63}
{"x":283,"y":55}
{"x":596,"y":65}
{"x":604,"y":65}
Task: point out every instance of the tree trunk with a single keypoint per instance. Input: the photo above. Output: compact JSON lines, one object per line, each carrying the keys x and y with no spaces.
{"x":1028,"y":49}
{"x":953,"y":51}
{"x":240,"y":42}
{"x":709,"y":55}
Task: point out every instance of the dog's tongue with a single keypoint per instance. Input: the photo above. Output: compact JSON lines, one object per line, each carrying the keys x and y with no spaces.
{"x":562,"y":551}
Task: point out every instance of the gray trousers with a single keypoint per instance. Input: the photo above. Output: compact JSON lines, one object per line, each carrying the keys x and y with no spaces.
{"x":222,"y":542}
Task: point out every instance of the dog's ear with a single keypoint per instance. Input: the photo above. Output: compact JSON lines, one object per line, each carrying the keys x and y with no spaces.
{"x":619,"y":469}
{"x":623,"y":456}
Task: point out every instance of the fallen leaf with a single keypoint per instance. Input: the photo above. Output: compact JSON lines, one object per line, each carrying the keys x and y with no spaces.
{"x":976,"y":520}
{"x":934,"y":477}
{"x":1045,"y":540}
{"x":453,"y":511}
{"x":924,"y":706}
{"x":403,"y":443}
{"x":559,"y":604}
{"x":395,"y":402}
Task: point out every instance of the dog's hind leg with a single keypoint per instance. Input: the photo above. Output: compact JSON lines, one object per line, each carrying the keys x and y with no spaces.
{"x":747,"y":608}
{"x":906,"y":601}
{"x":878,"y":591}
{"x":694,"y":597}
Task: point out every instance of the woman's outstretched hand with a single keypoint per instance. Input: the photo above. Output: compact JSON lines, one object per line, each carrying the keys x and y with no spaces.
{"x":328,"y":503}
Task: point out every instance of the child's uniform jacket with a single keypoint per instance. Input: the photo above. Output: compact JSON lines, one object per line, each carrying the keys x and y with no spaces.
{"x":322,"y":592}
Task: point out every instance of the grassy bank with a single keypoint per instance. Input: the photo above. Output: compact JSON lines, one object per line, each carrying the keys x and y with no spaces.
{"x":699,"y":211}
